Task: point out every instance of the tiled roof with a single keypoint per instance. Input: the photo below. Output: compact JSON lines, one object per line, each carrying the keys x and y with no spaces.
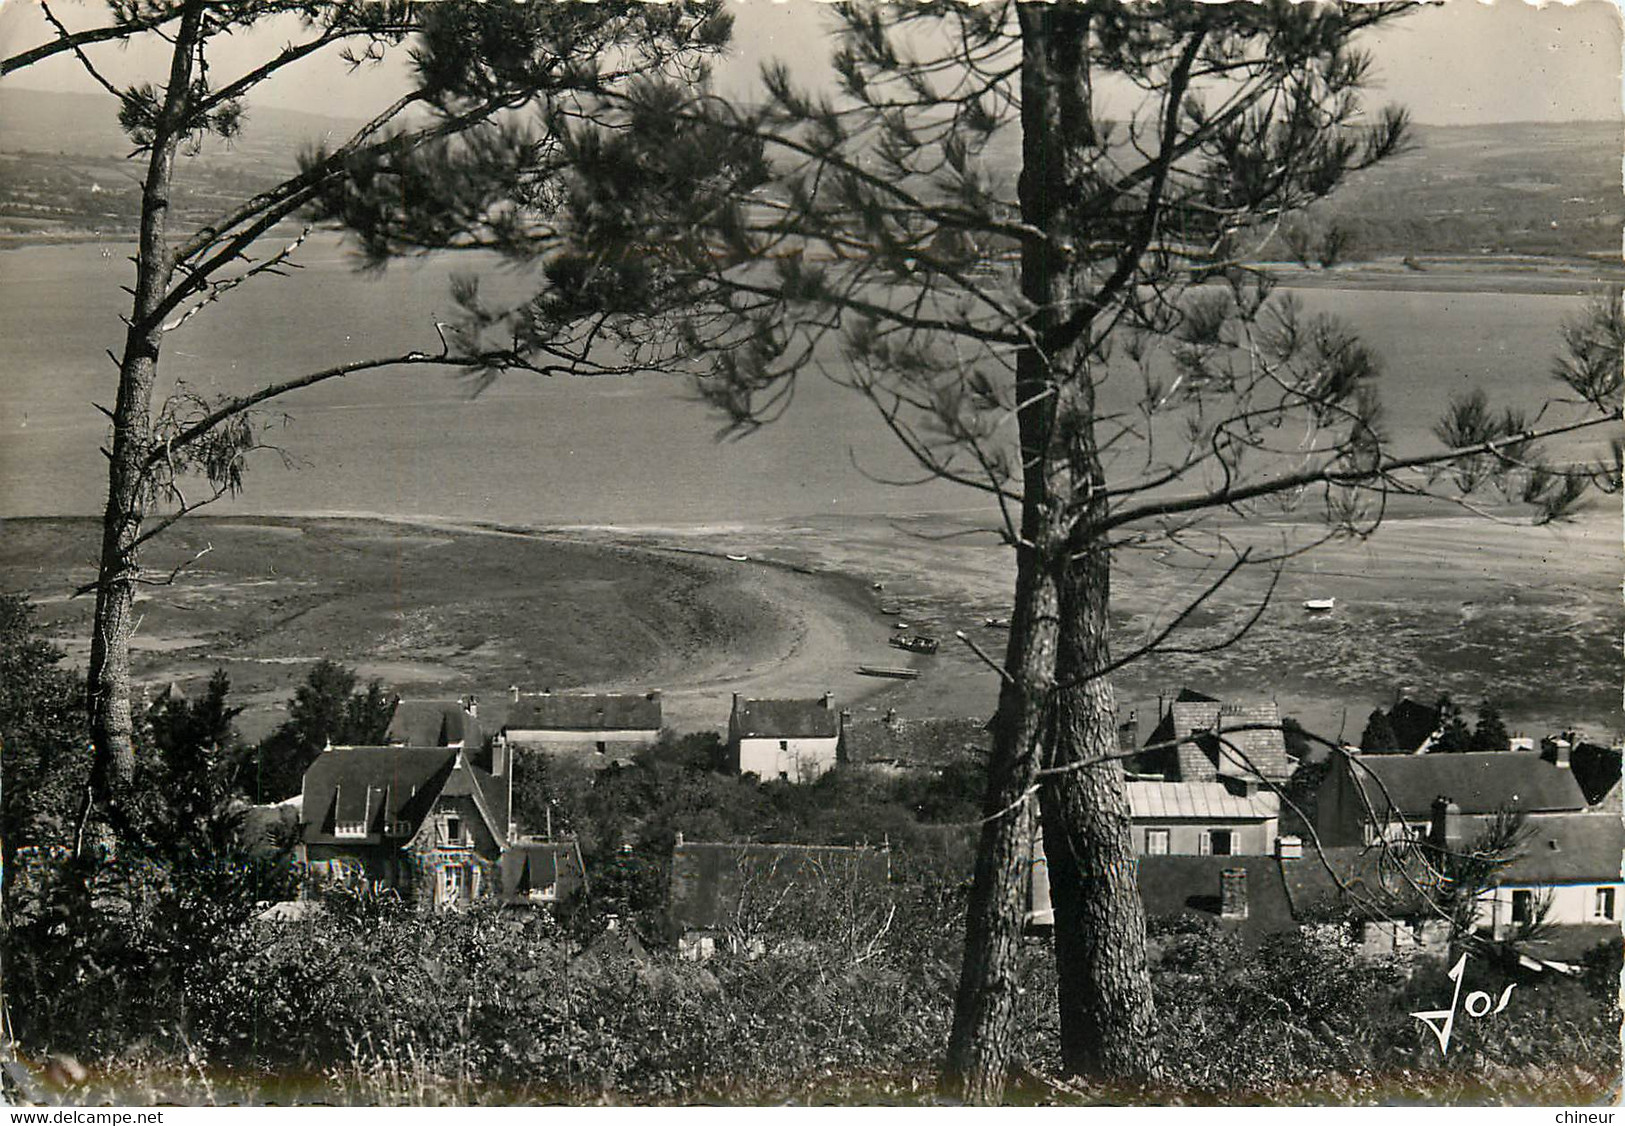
{"x":1478,"y":782}
{"x":1369,"y":881}
{"x":1179,"y":885}
{"x":1568,"y":848}
{"x":1199,"y":800}
{"x":585,"y":712}
{"x":786,"y":719}
{"x":925,"y":742}
{"x":710,"y":881}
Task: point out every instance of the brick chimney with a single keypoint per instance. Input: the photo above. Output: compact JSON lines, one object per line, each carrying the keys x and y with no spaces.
{"x":1444,"y":827}
{"x":1233,"y":893}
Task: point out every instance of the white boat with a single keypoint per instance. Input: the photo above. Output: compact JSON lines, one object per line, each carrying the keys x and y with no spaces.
{"x":1320,"y":605}
{"x":740,"y":558}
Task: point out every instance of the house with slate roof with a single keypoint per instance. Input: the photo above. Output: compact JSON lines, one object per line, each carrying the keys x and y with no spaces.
{"x":444,"y":723}
{"x":1365,"y":798}
{"x":793,"y":740}
{"x":428,"y":824}
{"x":1212,"y":743}
{"x":596,"y":728}
{"x":1567,"y":875}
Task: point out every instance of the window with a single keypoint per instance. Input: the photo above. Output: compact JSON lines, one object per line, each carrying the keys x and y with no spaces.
{"x":454,"y":830}
{"x":1604,"y":907}
{"x":1156,"y":842}
{"x":450,"y":888}
{"x":601,"y":748}
{"x":1215,"y":842}
{"x":1523,"y":905}
{"x":784,"y":744}
{"x":350,"y":829}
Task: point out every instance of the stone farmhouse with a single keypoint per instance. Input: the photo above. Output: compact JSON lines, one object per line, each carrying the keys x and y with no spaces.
{"x":792,"y":740}
{"x":596,"y":728}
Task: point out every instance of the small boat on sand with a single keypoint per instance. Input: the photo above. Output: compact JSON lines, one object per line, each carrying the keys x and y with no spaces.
{"x":996,"y":623}
{"x":919,"y":643}
{"x":891,"y":611}
{"x":1320,"y":605}
{"x":893,"y":673}
{"x":740,"y":558}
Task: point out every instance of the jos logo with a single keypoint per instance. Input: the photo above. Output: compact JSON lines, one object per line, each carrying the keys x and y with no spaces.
{"x":1443,"y":1021}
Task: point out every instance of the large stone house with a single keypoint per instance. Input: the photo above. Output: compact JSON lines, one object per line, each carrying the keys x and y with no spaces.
{"x":595,"y":728}
{"x":427,"y":824}
{"x":1366,"y":798}
{"x":793,"y":740}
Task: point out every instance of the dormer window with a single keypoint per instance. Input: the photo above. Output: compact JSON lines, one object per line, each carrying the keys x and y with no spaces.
{"x":452,"y":828}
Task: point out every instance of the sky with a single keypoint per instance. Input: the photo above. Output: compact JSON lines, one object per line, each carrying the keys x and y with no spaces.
{"x":1453,"y":63}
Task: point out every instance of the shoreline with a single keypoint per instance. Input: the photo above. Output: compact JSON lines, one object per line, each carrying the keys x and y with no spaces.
{"x":1464,"y":605}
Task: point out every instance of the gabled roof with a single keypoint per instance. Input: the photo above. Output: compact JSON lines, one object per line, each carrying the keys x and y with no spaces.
{"x":379,"y":785}
{"x":710,"y":882}
{"x":1477,"y":781}
{"x":1181,"y":885}
{"x":585,"y":712}
{"x":919,"y":742}
{"x":1373,"y":882}
{"x":1596,"y":768}
{"x":1412,"y":724}
{"x":1240,"y":754}
{"x":1568,"y":848}
{"x":786,"y":719}
{"x":442,"y":723}
{"x":533,"y":865}
{"x":1199,"y":801}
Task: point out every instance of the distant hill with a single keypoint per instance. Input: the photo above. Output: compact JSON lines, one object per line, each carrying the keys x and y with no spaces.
{"x":39,"y":121}
{"x":1517,"y":188}
{"x":1548,"y":190}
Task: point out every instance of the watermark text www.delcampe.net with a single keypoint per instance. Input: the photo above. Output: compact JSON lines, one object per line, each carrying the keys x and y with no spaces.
{"x":86,"y":1117}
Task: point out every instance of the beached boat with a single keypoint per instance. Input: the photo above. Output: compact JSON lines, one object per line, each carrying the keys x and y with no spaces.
{"x":895,"y":674}
{"x":996,"y":623}
{"x":916,"y":644}
{"x":740,"y":558}
{"x":1320,"y":605}
{"x":891,"y":610}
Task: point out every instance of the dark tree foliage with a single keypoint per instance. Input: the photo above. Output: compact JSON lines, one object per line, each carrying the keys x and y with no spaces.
{"x":1454,"y":735}
{"x":1020,"y":231}
{"x":1378,"y":734}
{"x":325,"y":709}
{"x":1490,"y":734}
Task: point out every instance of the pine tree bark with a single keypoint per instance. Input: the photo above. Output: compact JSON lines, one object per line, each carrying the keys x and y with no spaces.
{"x":1058,"y":637}
{"x":128,"y":478}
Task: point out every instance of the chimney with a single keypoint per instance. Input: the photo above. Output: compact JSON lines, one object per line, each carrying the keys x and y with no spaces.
{"x":1561,"y":749}
{"x":1289,"y":848}
{"x":513,"y":691}
{"x":1128,"y":732}
{"x":678,"y":843}
{"x":499,"y":755}
{"x":471,"y":704}
{"x":1444,"y":828}
{"x":652,"y":694}
{"x":1233,"y":893}
{"x":828,"y":701}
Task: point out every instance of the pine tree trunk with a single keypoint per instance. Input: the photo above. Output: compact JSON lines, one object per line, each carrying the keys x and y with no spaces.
{"x":128,"y":482}
{"x":1106,"y":1008}
{"x":983,"y":1041}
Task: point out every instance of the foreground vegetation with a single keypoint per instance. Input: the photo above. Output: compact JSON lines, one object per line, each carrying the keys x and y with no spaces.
{"x":143,"y":973}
